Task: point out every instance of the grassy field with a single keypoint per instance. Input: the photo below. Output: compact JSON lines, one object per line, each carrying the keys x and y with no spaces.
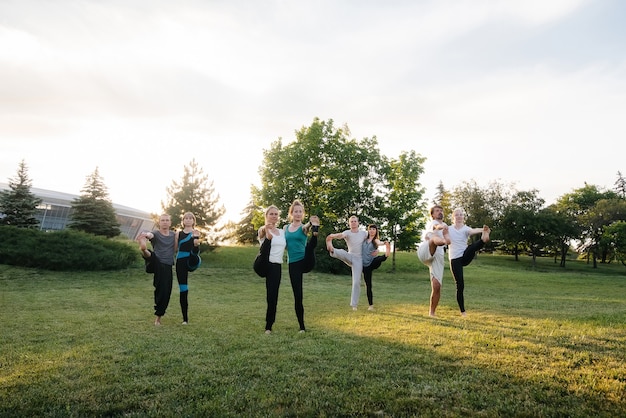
{"x":537,"y":342}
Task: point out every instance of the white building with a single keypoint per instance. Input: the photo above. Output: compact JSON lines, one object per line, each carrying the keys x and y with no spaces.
{"x":56,"y":207}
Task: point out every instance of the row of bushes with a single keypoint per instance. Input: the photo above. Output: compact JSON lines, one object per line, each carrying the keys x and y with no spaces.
{"x":70,"y":250}
{"x":64,"y":250}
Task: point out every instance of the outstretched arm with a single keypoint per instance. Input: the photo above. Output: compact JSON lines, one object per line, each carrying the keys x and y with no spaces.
{"x":474,"y":231}
{"x":331,"y":237}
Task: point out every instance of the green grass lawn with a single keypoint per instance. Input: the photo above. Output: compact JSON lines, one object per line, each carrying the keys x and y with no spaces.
{"x":542,"y":341}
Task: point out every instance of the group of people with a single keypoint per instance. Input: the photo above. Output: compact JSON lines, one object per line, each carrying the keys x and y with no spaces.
{"x":300,"y":257}
{"x":171,"y":248}
{"x":362,"y":255}
{"x":431,"y":252}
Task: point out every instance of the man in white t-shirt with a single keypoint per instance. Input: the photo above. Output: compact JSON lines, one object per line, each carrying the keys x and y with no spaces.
{"x":354,"y":238}
{"x":430,"y":252}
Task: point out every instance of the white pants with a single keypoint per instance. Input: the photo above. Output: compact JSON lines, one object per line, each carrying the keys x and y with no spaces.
{"x":356,"y":263}
{"x":434,"y":262}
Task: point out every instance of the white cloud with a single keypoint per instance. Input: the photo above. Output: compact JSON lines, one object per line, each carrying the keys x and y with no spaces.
{"x":138,"y":90}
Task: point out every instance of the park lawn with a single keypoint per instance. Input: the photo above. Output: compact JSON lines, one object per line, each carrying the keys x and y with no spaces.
{"x":537,"y":341}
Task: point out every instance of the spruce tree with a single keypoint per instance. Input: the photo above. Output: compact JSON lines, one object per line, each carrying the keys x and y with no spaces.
{"x":195,"y":194}
{"x":244,"y":232}
{"x":92,"y":211}
{"x":18,"y":205}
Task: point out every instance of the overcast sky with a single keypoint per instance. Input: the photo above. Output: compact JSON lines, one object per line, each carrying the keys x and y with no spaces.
{"x":528,"y":92}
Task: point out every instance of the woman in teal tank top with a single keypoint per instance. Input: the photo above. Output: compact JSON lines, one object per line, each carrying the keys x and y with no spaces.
{"x":299,"y":253}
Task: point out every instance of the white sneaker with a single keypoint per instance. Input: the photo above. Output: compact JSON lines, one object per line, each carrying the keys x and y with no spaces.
{"x":354,"y":308}
{"x":371,"y":308}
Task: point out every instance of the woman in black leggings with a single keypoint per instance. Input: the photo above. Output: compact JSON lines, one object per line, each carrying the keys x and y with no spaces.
{"x":461,"y":254}
{"x":371,"y":261}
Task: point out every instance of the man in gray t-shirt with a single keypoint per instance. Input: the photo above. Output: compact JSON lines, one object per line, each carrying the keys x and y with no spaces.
{"x":164,"y":248}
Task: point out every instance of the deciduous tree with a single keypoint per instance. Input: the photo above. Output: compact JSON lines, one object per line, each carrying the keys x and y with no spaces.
{"x":336,"y":177}
{"x":403,"y":201}
{"x":620,"y":185}
{"x":333,"y":176}
{"x":615,"y":236}
{"x":579,"y":205}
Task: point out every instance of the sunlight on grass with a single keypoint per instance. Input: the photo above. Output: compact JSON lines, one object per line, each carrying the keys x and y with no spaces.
{"x":83,"y":344}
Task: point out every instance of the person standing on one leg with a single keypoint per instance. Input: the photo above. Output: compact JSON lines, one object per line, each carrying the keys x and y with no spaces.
{"x":371,"y":259}
{"x":354,"y":238}
{"x":461,"y":254}
{"x":430,"y":252}
{"x":188,"y":243}
{"x":164,"y":243}
{"x":269,"y":231}
{"x":299,"y":253}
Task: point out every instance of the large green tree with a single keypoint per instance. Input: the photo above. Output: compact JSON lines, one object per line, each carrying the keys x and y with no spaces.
{"x":604,"y":213}
{"x":579,"y":205}
{"x":403,"y":201}
{"x":92,"y":211}
{"x":18,"y":205}
{"x":483,"y":205}
{"x":564,"y":230}
{"x":522,"y":226}
{"x":196,"y":194}
{"x":336,"y":176}
{"x":615,"y":236}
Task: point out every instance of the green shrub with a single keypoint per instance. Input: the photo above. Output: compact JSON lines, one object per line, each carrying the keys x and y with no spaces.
{"x":64,"y":250}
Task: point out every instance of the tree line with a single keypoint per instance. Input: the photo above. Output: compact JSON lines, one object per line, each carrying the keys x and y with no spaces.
{"x":336,"y":176}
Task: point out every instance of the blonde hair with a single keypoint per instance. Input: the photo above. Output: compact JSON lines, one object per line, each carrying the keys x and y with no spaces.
{"x":458,"y":209}
{"x":293,"y":205}
{"x":270,"y":207}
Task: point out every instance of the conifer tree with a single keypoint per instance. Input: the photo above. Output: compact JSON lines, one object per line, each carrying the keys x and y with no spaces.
{"x":18,"y":205}
{"x":244,"y":232}
{"x":195,"y":194}
{"x":92,"y":211}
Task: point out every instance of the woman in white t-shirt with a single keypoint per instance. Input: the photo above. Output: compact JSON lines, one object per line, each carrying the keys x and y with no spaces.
{"x":274,"y":268}
{"x":461,"y":254}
